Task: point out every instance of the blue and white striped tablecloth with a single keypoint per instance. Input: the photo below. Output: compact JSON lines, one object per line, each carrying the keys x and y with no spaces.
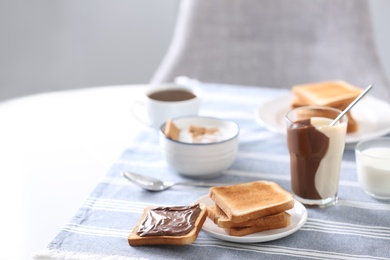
{"x":358,"y":227}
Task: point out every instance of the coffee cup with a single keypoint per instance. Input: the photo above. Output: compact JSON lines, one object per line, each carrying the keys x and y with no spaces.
{"x":161,"y":102}
{"x":316,"y":151}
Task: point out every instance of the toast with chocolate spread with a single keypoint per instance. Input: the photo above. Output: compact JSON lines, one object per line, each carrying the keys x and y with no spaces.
{"x":246,"y":201}
{"x":175,"y":225}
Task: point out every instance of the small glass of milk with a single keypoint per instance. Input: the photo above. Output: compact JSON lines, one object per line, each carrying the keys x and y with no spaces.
{"x":373,"y":166}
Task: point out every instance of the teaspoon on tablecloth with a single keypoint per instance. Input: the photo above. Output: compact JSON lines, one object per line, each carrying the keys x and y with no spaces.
{"x":153,"y":184}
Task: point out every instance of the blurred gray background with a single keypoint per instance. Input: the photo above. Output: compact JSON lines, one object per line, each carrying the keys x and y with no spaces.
{"x":49,"y":45}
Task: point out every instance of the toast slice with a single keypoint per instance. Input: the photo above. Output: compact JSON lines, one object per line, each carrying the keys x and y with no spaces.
{"x":176,"y":220}
{"x":352,"y":125}
{"x":242,"y":202}
{"x":243,"y":231}
{"x":338,"y":94}
{"x":171,"y":130}
{"x":221,"y":220}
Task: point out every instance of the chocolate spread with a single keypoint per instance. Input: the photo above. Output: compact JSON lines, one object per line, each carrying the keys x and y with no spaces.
{"x":307,"y":148}
{"x":169,"y":221}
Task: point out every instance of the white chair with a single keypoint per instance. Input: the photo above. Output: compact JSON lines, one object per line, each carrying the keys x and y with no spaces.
{"x":274,"y":43}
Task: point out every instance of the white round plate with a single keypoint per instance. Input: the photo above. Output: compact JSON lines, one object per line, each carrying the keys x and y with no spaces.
{"x":370,"y":113}
{"x":298,"y":219}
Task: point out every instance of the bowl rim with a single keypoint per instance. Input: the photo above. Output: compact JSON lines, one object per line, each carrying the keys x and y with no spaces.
{"x":161,"y":130}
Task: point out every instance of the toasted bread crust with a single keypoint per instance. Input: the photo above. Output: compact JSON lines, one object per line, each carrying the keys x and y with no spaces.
{"x":237,"y":231}
{"x":352,"y":126}
{"x":242,"y":202}
{"x":221,"y":220}
{"x":171,"y":130}
{"x":337,"y":94}
{"x":135,"y":240}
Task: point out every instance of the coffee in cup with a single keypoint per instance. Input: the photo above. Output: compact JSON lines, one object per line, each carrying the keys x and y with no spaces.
{"x":162,"y":102}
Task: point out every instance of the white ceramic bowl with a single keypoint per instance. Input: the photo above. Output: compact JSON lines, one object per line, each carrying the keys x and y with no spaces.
{"x":201,"y":160}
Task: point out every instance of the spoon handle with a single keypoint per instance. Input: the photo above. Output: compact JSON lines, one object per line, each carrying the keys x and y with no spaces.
{"x":351,"y":105}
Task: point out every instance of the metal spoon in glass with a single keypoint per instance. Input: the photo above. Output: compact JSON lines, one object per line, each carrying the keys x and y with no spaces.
{"x":153,"y":184}
{"x":351,"y":105}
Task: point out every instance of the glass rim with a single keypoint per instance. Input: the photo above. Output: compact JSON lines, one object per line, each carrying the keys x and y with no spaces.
{"x":359,"y":149}
{"x":287,"y":117}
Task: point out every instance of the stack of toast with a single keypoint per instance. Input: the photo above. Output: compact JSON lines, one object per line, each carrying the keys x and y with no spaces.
{"x":247,"y":208}
{"x":337,"y":94}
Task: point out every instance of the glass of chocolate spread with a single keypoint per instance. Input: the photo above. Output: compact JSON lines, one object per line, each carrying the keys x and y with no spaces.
{"x":316,"y":151}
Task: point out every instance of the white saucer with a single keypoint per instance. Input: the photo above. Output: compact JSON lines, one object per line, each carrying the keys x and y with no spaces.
{"x":298,"y":219}
{"x":371,"y":114}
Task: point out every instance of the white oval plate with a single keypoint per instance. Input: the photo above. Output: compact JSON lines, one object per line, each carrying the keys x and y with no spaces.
{"x":371,"y":114}
{"x":298,"y":219}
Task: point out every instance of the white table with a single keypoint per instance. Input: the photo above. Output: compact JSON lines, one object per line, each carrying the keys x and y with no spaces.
{"x":54,"y":148}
